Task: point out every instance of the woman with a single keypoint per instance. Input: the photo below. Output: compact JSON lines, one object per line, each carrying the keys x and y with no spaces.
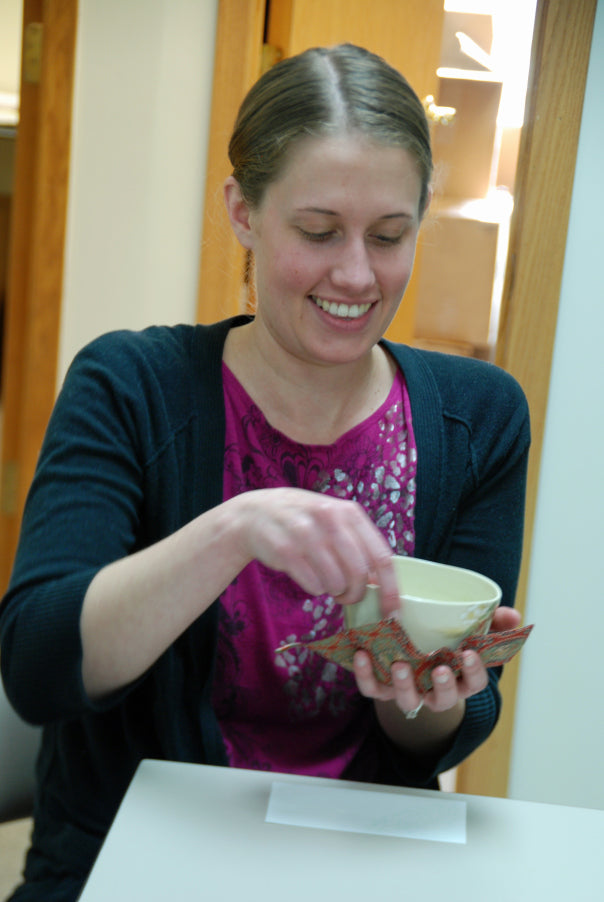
{"x":207,"y":493}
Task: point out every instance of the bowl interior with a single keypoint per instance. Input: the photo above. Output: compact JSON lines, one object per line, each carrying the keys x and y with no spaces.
{"x":427,"y":582}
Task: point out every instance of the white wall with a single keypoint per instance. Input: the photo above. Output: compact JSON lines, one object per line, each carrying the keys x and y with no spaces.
{"x":558,"y":749}
{"x":143,"y":85}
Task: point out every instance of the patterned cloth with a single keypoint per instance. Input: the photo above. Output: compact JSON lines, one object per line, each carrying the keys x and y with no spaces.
{"x":265,"y":700}
{"x":386,"y":642}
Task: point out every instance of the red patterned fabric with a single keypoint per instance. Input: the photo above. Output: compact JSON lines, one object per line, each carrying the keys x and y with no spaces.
{"x":386,"y":642}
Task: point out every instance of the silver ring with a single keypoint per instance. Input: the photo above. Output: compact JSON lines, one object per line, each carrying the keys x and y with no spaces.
{"x":411,"y":715}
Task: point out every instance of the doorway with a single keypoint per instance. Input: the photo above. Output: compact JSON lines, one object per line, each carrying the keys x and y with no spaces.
{"x":47,"y":32}
{"x":476,"y":118}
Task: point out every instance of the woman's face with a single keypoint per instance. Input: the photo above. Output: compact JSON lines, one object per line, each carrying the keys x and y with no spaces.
{"x":334,"y":241}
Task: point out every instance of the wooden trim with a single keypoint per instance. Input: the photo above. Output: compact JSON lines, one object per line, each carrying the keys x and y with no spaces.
{"x":237,"y":65}
{"x":15,"y":322}
{"x":35,"y":268}
{"x":546,"y":169}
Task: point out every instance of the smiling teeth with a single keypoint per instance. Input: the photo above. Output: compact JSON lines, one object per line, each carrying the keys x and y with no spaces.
{"x":346,"y":311}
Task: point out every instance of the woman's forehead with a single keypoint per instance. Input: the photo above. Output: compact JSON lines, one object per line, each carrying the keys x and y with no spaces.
{"x":325,"y":166}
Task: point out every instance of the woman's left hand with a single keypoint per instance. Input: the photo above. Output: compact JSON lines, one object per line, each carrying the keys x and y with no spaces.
{"x":447,"y":692}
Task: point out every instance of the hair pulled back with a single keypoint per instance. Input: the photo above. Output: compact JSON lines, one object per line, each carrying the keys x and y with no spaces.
{"x":325,"y":91}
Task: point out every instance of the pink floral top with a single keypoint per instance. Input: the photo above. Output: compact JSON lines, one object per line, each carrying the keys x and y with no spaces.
{"x":293,"y":711}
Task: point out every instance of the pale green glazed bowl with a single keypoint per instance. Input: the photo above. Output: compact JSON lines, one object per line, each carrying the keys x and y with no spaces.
{"x":441,"y":605}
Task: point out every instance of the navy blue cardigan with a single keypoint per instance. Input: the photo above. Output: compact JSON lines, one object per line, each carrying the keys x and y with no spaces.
{"x":133,"y":451}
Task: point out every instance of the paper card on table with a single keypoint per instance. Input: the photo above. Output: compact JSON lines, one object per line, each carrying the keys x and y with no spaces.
{"x":366,"y":811}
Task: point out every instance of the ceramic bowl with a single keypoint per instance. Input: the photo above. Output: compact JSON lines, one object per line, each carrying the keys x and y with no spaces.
{"x":440,"y":604}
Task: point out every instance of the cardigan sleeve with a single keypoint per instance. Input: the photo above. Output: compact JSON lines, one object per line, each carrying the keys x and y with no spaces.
{"x":82,"y":512}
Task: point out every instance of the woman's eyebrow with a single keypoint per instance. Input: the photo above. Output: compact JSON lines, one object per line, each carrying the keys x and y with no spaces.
{"x":324,"y":212}
{"x":401,"y":215}
{"x":316,"y":210}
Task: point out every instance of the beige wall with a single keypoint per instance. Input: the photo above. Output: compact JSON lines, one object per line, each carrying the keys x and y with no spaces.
{"x":11,"y":15}
{"x":141,"y":107}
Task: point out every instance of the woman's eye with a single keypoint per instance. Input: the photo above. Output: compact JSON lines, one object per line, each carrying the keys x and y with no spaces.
{"x":379,"y":239}
{"x":388,"y":239}
{"x":315,"y":236}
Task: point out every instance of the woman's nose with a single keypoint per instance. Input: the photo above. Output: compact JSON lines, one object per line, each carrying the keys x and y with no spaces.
{"x":353,"y":270}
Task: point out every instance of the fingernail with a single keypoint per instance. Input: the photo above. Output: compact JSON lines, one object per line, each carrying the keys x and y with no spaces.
{"x":402,"y":673}
{"x":441,"y":677}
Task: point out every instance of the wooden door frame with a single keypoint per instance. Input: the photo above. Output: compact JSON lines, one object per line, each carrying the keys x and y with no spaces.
{"x":237,"y":65}
{"x":543,"y":192}
{"x":35,"y":264}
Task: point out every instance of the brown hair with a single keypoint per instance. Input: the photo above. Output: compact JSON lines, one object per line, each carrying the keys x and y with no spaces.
{"x":319,"y":92}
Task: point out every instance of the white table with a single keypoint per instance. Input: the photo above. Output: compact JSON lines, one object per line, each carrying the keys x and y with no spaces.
{"x":193,"y":832}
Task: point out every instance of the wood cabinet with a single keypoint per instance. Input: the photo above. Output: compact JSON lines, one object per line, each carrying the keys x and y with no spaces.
{"x":460,"y":275}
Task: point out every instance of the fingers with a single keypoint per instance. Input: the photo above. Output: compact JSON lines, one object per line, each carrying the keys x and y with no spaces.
{"x":447,"y":689}
{"x":366,"y":680}
{"x":358,"y":549}
{"x":505,"y":618}
{"x":403,"y":689}
{"x":474,"y":677}
{"x":327,"y":545}
{"x":406,"y":694}
{"x":385,"y":577}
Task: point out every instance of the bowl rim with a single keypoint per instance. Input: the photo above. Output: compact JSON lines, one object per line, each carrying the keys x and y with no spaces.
{"x":497,"y":591}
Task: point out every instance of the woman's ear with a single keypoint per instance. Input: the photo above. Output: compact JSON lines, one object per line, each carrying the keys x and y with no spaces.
{"x":238,"y":211}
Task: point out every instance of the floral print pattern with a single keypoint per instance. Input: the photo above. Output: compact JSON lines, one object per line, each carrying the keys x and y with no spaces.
{"x":293,"y":711}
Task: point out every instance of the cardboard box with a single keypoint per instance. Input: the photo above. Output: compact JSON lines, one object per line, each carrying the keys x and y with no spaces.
{"x":455,"y":281}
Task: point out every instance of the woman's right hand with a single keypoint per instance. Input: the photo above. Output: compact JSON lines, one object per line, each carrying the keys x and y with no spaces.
{"x":326,"y":545}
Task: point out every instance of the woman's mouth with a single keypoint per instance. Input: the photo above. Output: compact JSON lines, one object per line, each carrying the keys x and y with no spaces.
{"x":342,"y":311}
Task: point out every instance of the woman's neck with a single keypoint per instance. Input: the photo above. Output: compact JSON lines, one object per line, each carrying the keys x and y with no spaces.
{"x":310,"y":403}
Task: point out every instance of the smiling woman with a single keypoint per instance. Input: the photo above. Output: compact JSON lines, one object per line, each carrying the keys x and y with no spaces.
{"x":206,"y":495}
